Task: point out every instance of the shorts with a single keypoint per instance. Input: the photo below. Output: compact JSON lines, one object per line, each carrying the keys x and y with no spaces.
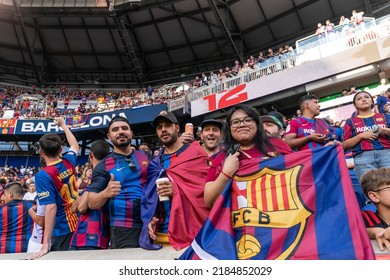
{"x":61,"y":243}
{"x":122,"y":237}
{"x":33,"y":247}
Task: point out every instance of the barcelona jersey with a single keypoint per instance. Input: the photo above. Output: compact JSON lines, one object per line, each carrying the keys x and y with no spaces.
{"x":16,"y":226}
{"x":356,"y":125}
{"x":303,"y":127}
{"x":131,"y":172}
{"x":92,"y":229}
{"x":56,"y":184}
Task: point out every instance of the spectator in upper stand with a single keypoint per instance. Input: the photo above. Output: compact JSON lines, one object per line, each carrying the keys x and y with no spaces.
{"x":261,"y":58}
{"x":270,"y":53}
{"x":213,"y":78}
{"x":228,"y":73}
{"x":382,"y":104}
{"x":345,"y":92}
{"x":204,"y":80}
{"x":357,"y":18}
{"x":251,"y":62}
{"x":16,"y":227}
{"x":150,"y":92}
{"x":236,"y":68}
{"x":197,"y":82}
{"x":329,"y":28}
{"x":352,"y":90}
{"x":307,"y":131}
{"x":320,"y":31}
{"x":287,"y":49}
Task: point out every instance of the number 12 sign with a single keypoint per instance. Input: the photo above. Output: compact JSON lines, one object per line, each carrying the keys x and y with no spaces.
{"x":219,"y":100}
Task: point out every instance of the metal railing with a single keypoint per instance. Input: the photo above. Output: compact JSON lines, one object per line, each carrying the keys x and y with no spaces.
{"x":307,"y":49}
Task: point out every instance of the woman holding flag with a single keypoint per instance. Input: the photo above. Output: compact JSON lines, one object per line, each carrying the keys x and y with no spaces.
{"x":269,"y":203}
{"x":245,"y":137}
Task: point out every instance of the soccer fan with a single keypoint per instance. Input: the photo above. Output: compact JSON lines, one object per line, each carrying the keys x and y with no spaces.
{"x":37,"y":213}
{"x":382,"y":104}
{"x":376,"y":186}
{"x":57,"y":189}
{"x":243,"y":127}
{"x":273,"y":124}
{"x":307,"y":131}
{"x":367,"y":134}
{"x":15,"y":230}
{"x":118,"y":180}
{"x":32,"y":192}
{"x":211,"y":136}
{"x":92,"y":231}
{"x":177,"y":220}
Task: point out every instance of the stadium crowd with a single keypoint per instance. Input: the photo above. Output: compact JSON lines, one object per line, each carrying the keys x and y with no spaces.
{"x":157,"y":183}
{"x":128,"y":197}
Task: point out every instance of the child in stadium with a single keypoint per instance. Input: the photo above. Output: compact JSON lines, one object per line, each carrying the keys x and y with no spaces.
{"x":376,"y":186}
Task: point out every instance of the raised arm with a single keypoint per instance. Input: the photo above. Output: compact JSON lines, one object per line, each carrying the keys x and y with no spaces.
{"x":73,"y":143}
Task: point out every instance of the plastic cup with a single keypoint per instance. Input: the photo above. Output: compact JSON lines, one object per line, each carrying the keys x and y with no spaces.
{"x":158,"y":182}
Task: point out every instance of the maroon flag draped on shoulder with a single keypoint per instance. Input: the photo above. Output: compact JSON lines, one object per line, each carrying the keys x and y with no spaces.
{"x":188,"y":210}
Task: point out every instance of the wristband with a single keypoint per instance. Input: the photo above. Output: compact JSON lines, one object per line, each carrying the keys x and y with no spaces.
{"x":227,"y":176}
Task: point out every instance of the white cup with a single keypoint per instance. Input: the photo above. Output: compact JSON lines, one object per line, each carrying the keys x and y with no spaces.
{"x":158,"y":182}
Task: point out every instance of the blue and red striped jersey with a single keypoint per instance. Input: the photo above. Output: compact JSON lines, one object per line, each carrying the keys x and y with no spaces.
{"x":131,"y":172}
{"x":16,"y":226}
{"x":92,"y":229}
{"x":57,"y":184}
{"x":372,"y":219}
{"x":356,"y":125}
{"x":303,"y":127}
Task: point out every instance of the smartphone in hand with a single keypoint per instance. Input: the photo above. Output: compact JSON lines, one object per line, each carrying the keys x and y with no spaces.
{"x":233,"y":149}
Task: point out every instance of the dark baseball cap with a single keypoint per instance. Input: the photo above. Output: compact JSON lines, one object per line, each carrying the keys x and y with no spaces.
{"x":118,"y":119}
{"x":164,"y":115}
{"x":274,"y":117}
{"x":211,"y":122}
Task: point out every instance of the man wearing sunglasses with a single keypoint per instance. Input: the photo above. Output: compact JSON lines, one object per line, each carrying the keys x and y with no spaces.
{"x":118,"y":180}
{"x":176,"y":221}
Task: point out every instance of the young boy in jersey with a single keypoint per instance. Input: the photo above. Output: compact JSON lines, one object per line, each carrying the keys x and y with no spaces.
{"x":376,"y":186}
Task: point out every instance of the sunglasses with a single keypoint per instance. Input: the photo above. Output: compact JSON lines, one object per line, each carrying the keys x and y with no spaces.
{"x":132,"y":165}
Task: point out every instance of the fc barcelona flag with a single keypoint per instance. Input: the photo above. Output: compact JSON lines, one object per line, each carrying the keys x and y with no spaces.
{"x":298,"y":206}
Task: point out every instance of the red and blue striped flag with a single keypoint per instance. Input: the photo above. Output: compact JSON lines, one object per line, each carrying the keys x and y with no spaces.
{"x":298,"y":206}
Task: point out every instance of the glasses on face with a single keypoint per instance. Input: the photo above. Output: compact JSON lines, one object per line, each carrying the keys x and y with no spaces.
{"x":236,"y":122}
{"x":384,"y":188}
{"x":132,"y":165}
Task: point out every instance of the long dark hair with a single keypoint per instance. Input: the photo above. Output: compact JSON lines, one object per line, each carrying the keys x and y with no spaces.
{"x":261,"y":140}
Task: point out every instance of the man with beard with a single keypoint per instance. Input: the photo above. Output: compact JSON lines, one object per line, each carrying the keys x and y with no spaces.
{"x":211,"y":136}
{"x":307,"y":131}
{"x":177,"y":220}
{"x":273,"y":124}
{"x":118,"y":180}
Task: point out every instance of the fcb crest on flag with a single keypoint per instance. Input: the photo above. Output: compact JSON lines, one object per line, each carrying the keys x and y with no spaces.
{"x":296,"y":206}
{"x":268,"y":199}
